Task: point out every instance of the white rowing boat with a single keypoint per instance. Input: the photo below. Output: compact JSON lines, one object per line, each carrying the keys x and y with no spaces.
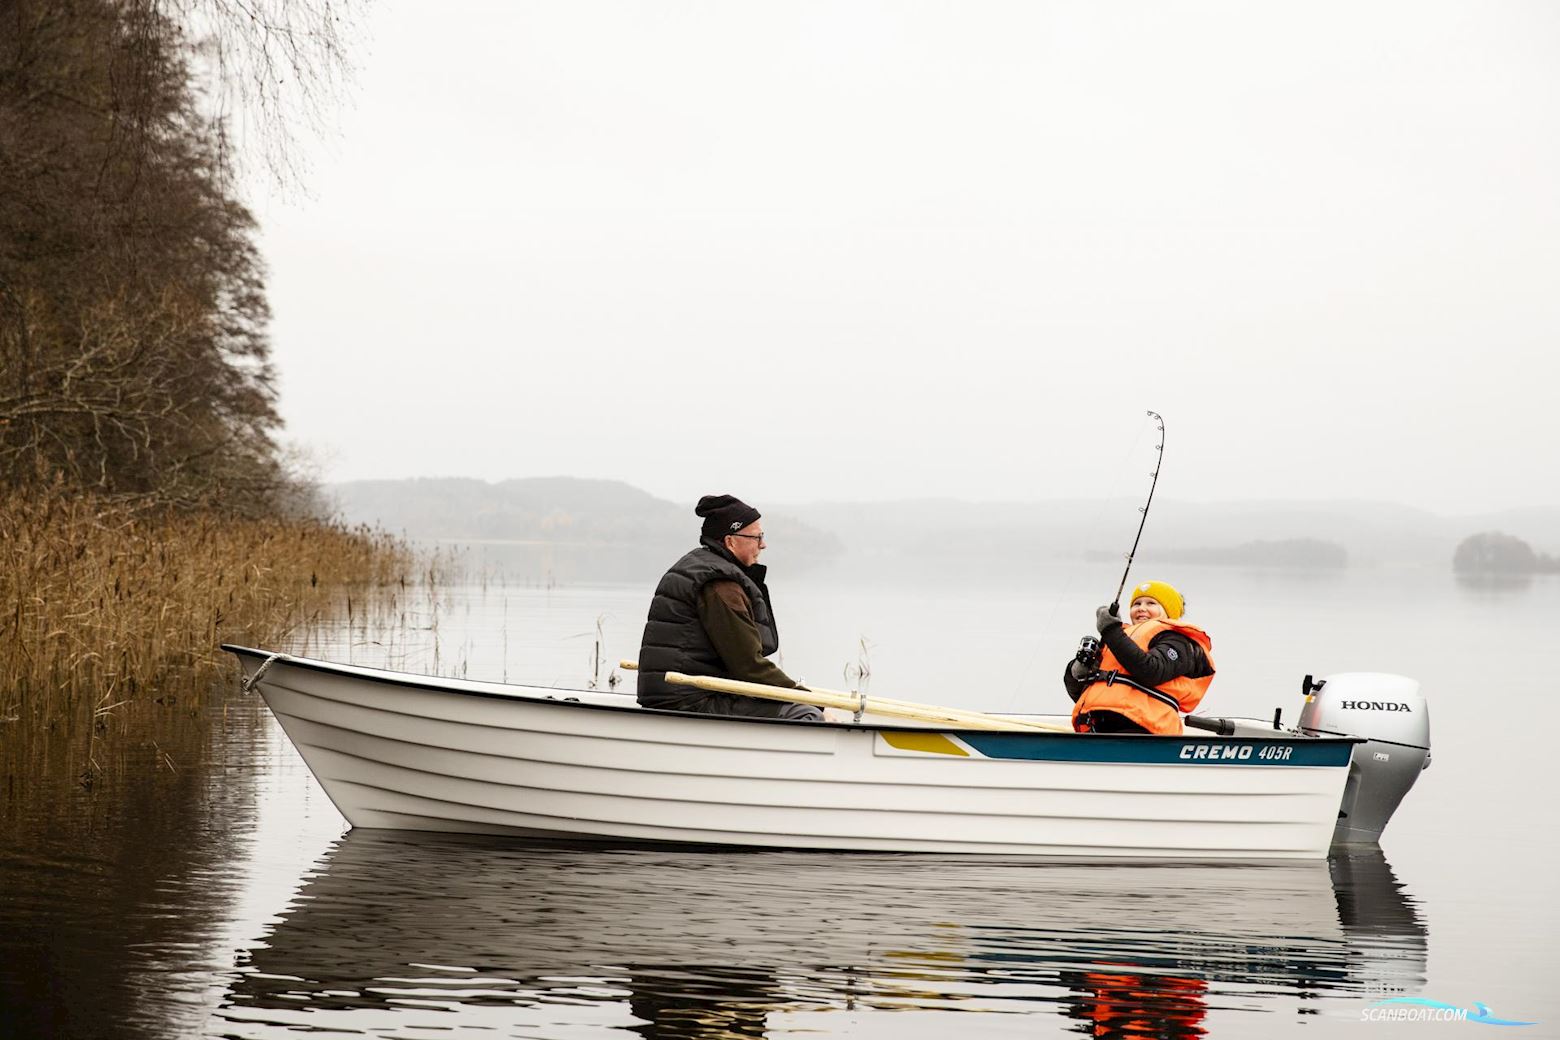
{"x":413,"y":752}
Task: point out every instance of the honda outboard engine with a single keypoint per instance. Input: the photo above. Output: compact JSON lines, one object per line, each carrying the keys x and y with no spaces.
{"x":1390,"y":712}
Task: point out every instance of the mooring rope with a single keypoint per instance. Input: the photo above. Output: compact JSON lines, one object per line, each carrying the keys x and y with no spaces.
{"x":254,"y":677}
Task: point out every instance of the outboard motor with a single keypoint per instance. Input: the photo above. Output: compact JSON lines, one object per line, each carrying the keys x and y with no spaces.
{"x":1390,"y":712}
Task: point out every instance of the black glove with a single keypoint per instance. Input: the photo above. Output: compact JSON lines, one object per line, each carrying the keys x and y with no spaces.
{"x":1079,"y":671}
{"x":1105,"y":617}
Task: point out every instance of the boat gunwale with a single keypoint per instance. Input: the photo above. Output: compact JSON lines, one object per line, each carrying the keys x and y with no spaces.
{"x":437,"y":684}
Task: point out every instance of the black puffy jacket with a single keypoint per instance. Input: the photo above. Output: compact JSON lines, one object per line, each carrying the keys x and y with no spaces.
{"x":675,"y":641}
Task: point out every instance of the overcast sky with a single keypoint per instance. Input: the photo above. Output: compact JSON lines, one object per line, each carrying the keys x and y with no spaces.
{"x":877,"y":250}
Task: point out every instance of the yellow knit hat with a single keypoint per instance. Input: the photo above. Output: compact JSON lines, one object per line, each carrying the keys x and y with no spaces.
{"x":1167,"y":597}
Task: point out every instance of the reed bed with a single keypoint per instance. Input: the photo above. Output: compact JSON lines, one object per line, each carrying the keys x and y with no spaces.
{"x":104,"y":605}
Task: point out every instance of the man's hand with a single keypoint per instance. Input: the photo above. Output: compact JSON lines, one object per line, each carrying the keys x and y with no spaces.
{"x":1104,"y":618}
{"x":1079,"y":671}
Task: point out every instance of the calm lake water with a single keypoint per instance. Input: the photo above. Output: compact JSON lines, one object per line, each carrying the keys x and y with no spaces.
{"x":204,"y":886}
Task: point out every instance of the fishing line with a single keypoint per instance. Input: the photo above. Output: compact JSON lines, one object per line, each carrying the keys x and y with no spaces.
{"x":1113,"y":493}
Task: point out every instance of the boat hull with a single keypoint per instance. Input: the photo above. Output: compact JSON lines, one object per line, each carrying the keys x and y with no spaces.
{"x":410,"y":752}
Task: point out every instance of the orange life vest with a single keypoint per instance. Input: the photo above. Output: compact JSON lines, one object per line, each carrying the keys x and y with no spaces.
{"x":1152,"y":711}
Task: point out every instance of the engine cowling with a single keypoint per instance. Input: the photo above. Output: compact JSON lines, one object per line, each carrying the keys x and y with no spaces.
{"x":1391,"y":713}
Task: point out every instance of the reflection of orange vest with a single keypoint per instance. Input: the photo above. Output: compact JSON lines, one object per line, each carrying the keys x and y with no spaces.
{"x":1154,"y":713}
{"x":1145,"y":1006}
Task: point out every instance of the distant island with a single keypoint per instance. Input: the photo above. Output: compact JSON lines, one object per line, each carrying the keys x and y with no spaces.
{"x":1493,"y":552}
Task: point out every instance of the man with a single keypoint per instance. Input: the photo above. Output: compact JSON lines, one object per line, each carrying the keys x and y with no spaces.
{"x":711,"y":615}
{"x":1149,"y":672}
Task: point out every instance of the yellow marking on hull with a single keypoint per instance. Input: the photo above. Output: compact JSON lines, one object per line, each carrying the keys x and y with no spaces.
{"x":932,"y":743}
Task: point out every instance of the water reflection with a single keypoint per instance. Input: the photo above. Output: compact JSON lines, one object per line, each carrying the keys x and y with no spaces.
{"x":1493,"y":585}
{"x":1124,"y":1001}
{"x":394,"y":935}
{"x":116,"y":870}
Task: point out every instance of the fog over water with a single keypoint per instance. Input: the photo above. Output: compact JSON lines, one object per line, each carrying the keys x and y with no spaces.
{"x":875,"y":251}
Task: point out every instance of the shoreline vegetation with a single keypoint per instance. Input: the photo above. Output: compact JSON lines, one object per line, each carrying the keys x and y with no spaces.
{"x":108,"y":607}
{"x":112,"y":603}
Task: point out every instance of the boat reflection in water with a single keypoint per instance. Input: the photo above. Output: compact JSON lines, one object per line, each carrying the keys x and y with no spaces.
{"x":395,"y":935}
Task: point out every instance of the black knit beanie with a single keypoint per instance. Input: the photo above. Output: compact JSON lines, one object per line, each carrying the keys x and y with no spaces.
{"x":723,"y":515}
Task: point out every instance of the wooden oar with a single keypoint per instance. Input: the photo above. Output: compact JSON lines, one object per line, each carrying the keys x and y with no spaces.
{"x":875,"y":704}
{"x":955,"y":717}
{"x":880,"y":705}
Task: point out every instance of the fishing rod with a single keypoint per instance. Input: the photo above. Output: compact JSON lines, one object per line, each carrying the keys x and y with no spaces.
{"x":1115,"y":604}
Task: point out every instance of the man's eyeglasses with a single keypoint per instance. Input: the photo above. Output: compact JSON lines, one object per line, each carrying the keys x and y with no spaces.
{"x":752,"y":537}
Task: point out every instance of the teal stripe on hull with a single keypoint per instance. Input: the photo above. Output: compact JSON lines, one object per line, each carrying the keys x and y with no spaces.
{"x":1190,"y":751}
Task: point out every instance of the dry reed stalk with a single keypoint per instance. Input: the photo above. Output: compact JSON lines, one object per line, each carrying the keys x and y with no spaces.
{"x":103,"y":605}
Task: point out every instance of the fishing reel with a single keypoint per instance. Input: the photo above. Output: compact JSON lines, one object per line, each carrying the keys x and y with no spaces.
{"x":1088,"y":653}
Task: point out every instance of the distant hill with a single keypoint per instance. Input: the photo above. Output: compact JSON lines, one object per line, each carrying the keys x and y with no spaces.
{"x":1289,"y":553}
{"x":552,"y":509}
{"x":588,"y":517}
{"x":589,"y":529}
{"x":1367,"y":533}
